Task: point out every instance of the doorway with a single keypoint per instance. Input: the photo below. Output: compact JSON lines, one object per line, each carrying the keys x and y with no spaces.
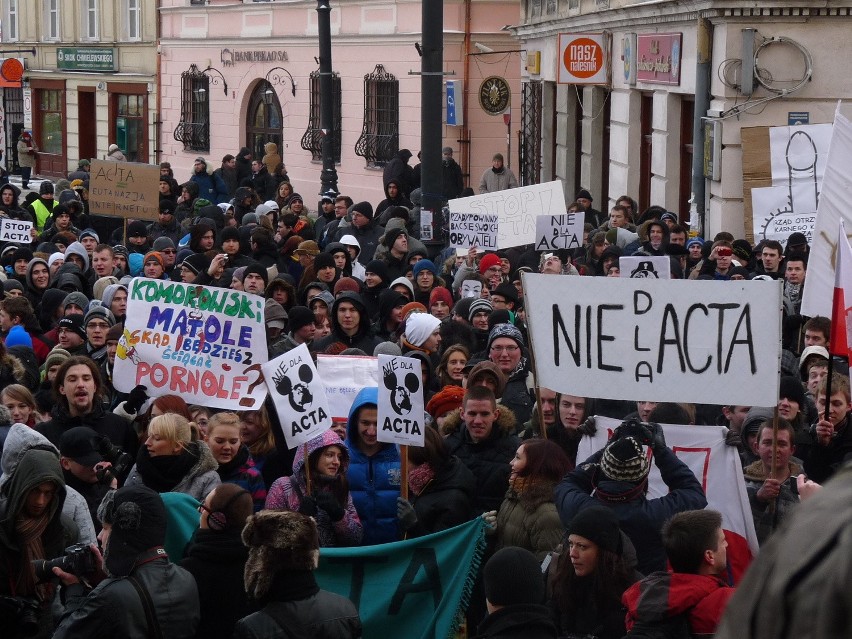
{"x":86,"y":125}
{"x":265,"y":122}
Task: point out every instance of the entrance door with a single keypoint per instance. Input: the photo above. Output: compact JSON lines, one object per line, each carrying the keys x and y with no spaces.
{"x":86,"y":124}
{"x":49,"y":125}
{"x":265,"y":122}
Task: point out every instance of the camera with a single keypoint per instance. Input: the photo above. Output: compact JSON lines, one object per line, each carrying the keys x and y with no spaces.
{"x":21,"y":613}
{"x":78,"y":560}
{"x":111,"y":453}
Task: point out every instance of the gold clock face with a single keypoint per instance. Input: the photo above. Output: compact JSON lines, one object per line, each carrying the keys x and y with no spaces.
{"x":494,"y":95}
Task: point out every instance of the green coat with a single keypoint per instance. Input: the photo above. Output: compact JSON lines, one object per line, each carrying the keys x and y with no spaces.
{"x":529,"y":520}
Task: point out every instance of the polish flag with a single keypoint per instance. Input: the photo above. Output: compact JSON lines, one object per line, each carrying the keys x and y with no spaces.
{"x":841,"y":310}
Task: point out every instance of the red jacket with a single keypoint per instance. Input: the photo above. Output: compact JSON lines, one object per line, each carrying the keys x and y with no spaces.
{"x":662,"y":595}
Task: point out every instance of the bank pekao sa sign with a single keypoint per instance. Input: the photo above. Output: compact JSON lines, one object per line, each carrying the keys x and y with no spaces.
{"x":583,"y":58}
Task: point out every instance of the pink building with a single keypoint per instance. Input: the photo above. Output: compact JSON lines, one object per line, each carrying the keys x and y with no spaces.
{"x":265,"y":53}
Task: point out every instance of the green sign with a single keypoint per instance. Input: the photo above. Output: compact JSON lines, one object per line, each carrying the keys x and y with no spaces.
{"x":86,"y":59}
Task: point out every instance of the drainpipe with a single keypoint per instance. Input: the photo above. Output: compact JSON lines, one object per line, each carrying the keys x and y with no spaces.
{"x":465,"y":141}
{"x":158,"y":120}
{"x":698,"y":206}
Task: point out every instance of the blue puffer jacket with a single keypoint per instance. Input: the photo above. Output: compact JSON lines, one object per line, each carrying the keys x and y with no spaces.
{"x":374,"y":482}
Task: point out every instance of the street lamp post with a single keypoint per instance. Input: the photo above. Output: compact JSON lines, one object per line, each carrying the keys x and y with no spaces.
{"x":328,"y":177}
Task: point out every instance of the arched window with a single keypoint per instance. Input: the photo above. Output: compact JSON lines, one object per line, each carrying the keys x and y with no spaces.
{"x":265,"y":121}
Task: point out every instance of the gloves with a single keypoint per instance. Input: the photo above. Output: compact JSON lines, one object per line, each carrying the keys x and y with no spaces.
{"x":635,"y":429}
{"x":328,"y":503}
{"x":490,"y":522}
{"x":658,"y":437}
{"x":589,"y":427}
{"x":135,"y":399}
{"x":732,"y":438}
{"x":308,"y":507}
{"x":405,"y":513}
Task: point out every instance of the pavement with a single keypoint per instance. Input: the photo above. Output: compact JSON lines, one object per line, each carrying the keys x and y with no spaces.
{"x":34,"y":184}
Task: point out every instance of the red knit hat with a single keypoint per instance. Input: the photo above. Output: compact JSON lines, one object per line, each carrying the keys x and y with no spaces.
{"x":449,"y":398}
{"x":413,"y":307}
{"x":346,"y":284}
{"x":488,"y":260}
{"x":440,"y":293}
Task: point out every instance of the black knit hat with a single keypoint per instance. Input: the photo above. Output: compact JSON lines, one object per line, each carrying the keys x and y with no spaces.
{"x":792,"y":389}
{"x":299,"y":317}
{"x":137,"y":228}
{"x":379,"y":268}
{"x":625,"y":460}
{"x":197,"y":263}
{"x":323,"y":260}
{"x":364,"y":208}
{"x":258,"y":270}
{"x":513,"y":577}
{"x":598,"y":524}
{"x":229,"y":233}
{"x":391,"y":237}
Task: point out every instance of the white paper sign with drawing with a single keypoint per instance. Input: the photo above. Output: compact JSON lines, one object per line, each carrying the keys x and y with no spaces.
{"x":400,"y":410}
{"x":646,"y":266}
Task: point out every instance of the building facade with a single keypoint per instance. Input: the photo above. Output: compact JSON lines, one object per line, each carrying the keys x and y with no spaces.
{"x":730,"y":65}
{"x":89,"y":79}
{"x":237,"y":74}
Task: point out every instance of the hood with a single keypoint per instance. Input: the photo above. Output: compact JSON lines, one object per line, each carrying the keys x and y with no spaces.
{"x":416,"y":197}
{"x":349,"y":240}
{"x":78,"y":249}
{"x":271,"y":148}
{"x":30,"y":268}
{"x":19,"y":440}
{"x":244,"y":151}
{"x":35,"y":467}
{"x":15,"y":190}
{"x":368,"y":395}
{"x":328,"y":438}
{"x":358,"y":302}
{"x":404,"y":155}
{"x":206,"y":462}
{"x":25,"y":365}
{"x":623,"y":237}
{"x":399,"y":196}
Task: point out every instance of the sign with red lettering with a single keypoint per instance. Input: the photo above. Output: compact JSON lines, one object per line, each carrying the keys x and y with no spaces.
{"x":583,"y":58}
{"x":203,"y":343}
{"x":658,"y":58}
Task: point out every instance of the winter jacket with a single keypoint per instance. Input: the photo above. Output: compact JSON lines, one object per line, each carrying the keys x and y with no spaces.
{"x":374,"y":481}
{"x":217,"y":560}
{"x":286,"y":493}
{"x":446,"y":501}
{"x":488,"y":460}
{"x":529,"y":520}
{"x":242,"y":472}
{"x":114,"y":608}
{"x":119,"y":431}
{"x":399,"y":200}
{"x":263,"y":184}
{"x":767,"y":519}
{"x":363,"y":339}
{"x":368,"y":237}
{"x":199,"y":482}
{"x":521,"y":621}
{"x":492,"y":182}
{"x":823,"y":461}
{"x":243,"y":165}
{"x":271,"y":159}
{"x":25,"y":157}
{"x":662,"y":596}
{"x":210,"y":186}
{"x":640,"y":518}
{"x":399,"y":171}
{"x":452,"y":180}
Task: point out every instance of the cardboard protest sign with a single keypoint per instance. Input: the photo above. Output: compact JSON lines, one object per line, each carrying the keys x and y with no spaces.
{"x":343,"y":377}
{"x":125,"y":189}
{"x":298,"y":394}
{"x":473,"y":230}
{"x":204,"y":343}
{"x":400,"y":410}
{"x":17,"y":231}
{"x":645,"y":266}
{"x":516,"y":210}
{"x":656,"y":340}
{"x":554,"y":232}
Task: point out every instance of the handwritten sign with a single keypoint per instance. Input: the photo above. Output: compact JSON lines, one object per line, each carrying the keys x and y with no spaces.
{"x":344,"y":376}
{"x":400,"y":409}
{"x":516,"y":210}
{"x":125,"y":189}
{"x":17,"y":231}
{"x":657,"y":340}
{"x":554,"y":232}
{"x":204,"y":343}
{"x":645,"y":266}
{"x":298,"y":394}
{"x":473,"y":230}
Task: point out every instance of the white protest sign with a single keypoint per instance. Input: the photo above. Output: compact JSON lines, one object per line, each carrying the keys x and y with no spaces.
{"x":716,"y":465}
{"x":400,"y":410}
{"x":469,"y":230}
{"x":516,"y":210}
{"x":344,"y":376}
{"x":298,"y":394}
{"x":554,"y":232}
{"x":17,"y":231}
{"x":204,"y":343}
{"x":648,"y":266}
{"x":656,"y":340}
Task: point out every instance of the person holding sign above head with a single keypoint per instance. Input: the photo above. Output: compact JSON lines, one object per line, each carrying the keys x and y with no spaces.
{"x":326,"y":460}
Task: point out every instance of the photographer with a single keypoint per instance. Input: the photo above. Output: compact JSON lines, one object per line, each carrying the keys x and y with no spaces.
{"x":78,"y":448}
{"x":32,"y":527}
{"x":144,"y":595}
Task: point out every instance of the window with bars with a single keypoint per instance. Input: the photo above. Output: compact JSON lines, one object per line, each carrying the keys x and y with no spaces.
{"x":312,"y":139}
{"x":194,"y":127}
{"x":379,"y":139}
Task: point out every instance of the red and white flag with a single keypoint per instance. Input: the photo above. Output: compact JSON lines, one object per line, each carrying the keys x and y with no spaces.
{"x":841,"y":308}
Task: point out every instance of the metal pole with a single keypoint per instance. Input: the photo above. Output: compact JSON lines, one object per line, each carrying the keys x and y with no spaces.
{"x":432,"y":89}
{"x":328,"y":177}
{"x":703,"y":71}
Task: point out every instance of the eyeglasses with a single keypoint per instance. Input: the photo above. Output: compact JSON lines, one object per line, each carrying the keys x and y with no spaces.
{"x":98,"y":325}
{"x":507,"y":349}
{"x":169,"y":251}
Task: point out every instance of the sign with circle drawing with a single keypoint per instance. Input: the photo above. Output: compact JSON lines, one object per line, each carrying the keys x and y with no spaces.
{"x":583,"y":58}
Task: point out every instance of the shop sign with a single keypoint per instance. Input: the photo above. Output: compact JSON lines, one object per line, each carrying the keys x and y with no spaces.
{"x":658,"y":58}
{"x":86,"y":59}
{"x":230,"y":57}
{"x":583,"y":58}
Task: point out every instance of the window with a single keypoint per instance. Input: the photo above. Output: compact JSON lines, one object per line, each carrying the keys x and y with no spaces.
{"x":133,"y":20}
{"x":50,"y":111}
{"x":130,"y":130}
{"x":11,"y":20}
{"x":90,"y":19}
{"x":379,"y":139}
{"x":194,"y":127}
{"x":51,"y":19}
{"x":312,"y":140}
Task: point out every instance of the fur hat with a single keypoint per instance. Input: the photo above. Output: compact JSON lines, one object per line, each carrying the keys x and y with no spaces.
{"x":278,"y":541}
{"x":625,"y":460}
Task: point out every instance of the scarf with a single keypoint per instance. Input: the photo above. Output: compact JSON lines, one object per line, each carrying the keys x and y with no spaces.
{"x":227,"y":470}
{"x":521,"y":365}
{"x":419,"y":477}
{"x":291,"y":585}
{"x":30,"y":531}
{"x":164,"y":472}
{"x":520,"y":483}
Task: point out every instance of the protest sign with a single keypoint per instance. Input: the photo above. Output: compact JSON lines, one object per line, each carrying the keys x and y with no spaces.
{"x":414,"y":589}
{"x":400,"y":410}
{"x":716,"y":466}
{"x":645,"y":266}
{"x":473,"y":230}
{"x":343,"y":377}
{"x":125,"y":189}
{"x":516,"y":210}
{"x":17,"y":231}
{"x":298,"y":394}
{"x":554,"y":232}
{"x":656,"y":340}
{"x":204,"y":343}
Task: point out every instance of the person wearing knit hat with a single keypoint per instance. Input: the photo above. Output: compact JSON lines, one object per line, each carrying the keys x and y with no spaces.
{"x":421,"y":333}
{"x":505,"y":331}
{"x":478,"y":313}
{"x":488,"y":261}
{"x":624,"y":460}
{"x":446,"y":400}
{"x":283,"y":552}
{"x":346,"y":284}
{"x":440,"y":302}
{"x":193,"y":266}
{"x":412,"y":307}
{"x":13,"y":288}
{"x":137,"y":236}
{"x":514,"y":595}
{"x":75,"y":302}
{"x":742,"y":252}
{"x":387,"y":348}
{"x":425,"y":265}
{"x":255,"y":279}
{"x":403,"y":285}
{"x":461,"y":310}
{"x":301,"y":322}
{"x":488,"y":374}
{"x":791,"y":404}
{"x":325,"y":268}
{"x":55,"y":358}
{"x":55,"y":261}
{"x":162,"y":243}
{"x":72,"y":334}
{"x":505,"y":296}
{"x":97,"y":311}
{"x":378,"y":269}
{"x":153,"y":265}
{"x":363,"y":209}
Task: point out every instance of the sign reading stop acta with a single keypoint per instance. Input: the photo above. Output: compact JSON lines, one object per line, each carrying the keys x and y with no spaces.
{"x":583,"y":58}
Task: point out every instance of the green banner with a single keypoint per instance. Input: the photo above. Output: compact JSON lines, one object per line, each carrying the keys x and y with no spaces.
{"x":411,"y":589}
{"x":85,"y":58}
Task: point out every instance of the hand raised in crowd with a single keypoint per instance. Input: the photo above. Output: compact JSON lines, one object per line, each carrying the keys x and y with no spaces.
{"x":824,"y":432}
{"x":470,"y":258}
{"x":806,"y":487}
{"x":770,"y":490}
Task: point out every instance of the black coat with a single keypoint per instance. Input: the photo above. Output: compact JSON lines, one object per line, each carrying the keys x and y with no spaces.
{"x":119,"y":431}
{"x":446,"y":501}
{"x":217,"y":560}
{"x":522,"y":621}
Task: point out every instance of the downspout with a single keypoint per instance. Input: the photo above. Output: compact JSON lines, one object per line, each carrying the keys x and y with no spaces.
{"x":465,"y":143}
{"x":704,"y":58}
{"x":158,"y":122}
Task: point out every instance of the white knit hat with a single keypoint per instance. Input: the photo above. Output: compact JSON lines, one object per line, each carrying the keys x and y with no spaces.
{"x":419,"y":326}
